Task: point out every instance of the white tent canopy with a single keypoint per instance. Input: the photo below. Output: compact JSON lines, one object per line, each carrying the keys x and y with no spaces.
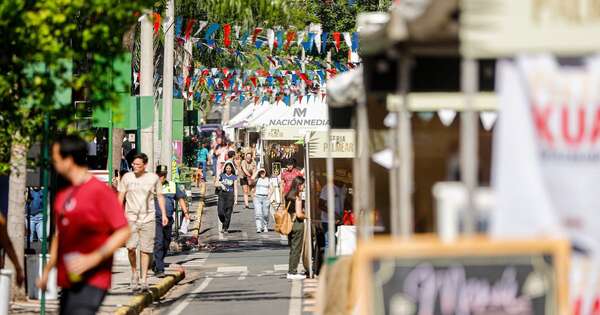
{"x":311,"y":115}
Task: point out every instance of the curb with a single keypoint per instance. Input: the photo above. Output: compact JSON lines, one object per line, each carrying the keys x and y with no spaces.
{"x":155,"y":292}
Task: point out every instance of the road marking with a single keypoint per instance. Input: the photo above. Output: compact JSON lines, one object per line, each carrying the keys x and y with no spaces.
{"x":188,"y":299}
{"x":232,"y":269}
{"x":245,"y":235}
{"x":283,"y":267}
{"x":296,"y":298}
{"x":243,"y":276}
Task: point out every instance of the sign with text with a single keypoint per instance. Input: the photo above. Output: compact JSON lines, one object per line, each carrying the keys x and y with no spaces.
{"x":341,"y":144}
{"x":282,"y":133}
{"x":470,"y":276}
{"x":496,"y":28}
{"x":547,"y":150}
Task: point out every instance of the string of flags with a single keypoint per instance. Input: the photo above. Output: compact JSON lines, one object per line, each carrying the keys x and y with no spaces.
{"x":231,"y":37}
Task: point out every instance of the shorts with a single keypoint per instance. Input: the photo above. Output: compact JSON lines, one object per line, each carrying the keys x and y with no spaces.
{"x":142,"y":234}
{"x":244,"y":181}
{"x":81,"y":299}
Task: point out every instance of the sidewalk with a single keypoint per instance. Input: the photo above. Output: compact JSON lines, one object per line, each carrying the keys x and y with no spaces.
{"x":120,"y":294}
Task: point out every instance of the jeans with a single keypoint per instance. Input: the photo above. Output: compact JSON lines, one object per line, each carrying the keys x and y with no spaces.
{"x":295,"y":240}
{"x":225,"y":208}
{"x":215,"y":161}
{"x":162,"y":242}
{"x":37,"y":225}
{"x":261,"y":211}
{"x":202,"y":164}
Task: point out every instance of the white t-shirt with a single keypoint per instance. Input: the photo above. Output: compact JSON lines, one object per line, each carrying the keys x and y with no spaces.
{"x":139,"y":195}
{"x":262,"y":186}
{"x":340,"y":196}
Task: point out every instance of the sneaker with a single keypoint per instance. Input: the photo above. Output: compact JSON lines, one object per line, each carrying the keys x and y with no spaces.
{"x":295,"y":276}
{"x":135,"y":281}
{"x":258,"y":231}
{"x":144,"y":287}
{"x":266,"y":230}
{"x":160,"y":274}
{"x":225,"y":231}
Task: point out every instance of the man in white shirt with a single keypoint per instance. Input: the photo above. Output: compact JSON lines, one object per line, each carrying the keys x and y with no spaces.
{"x":339,"y":198}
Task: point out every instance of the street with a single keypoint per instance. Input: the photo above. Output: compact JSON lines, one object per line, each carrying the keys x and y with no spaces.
{"x":243,"y":272}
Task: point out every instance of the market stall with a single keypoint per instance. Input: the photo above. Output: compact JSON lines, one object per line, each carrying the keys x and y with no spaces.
{"x":339,"y":145}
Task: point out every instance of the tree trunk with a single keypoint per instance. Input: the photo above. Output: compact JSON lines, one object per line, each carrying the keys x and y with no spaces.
{"x":117,"y":148}
{"x":16,"y":205}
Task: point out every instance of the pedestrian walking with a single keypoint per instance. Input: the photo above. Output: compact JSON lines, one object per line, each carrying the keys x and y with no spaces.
{"x":248,"y":167}
{"x":295,"y":207}
{"x":275,"y":185}
{"x":90,"y":227}
{"x":227,"y":196}
{"x":201,"y":162}
{"x":162,"y":239}
{"x":288,"y":175}
{"x":34,"y":210}
{"x":138,"y":189}
{"x":262,"y":200}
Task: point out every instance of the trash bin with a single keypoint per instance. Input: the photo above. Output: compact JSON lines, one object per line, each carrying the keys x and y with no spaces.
{"x":34,"y":272}
{"x":5,"y":282}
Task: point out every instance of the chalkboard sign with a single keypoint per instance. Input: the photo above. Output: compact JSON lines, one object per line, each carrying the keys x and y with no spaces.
{"x":471,"y":276}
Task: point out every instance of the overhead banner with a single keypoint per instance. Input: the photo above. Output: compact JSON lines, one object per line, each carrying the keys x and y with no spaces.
{"x":547,"y":150}
{"x":341,"y":144}
{"x":498,"y":28}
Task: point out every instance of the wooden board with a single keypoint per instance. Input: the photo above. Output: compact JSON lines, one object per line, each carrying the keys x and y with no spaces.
{"x":471,"y":276}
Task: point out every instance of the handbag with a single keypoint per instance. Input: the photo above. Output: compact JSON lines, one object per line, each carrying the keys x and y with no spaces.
{"x":283,"y":220}
{"x":348,"y":218}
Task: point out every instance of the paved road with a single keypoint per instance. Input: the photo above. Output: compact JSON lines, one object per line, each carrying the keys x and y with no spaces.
{"x":243,"y":273}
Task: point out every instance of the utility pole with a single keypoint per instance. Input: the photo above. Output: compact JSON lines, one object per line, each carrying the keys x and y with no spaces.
{"x":167,"y":133}
{"x":145,"y":138}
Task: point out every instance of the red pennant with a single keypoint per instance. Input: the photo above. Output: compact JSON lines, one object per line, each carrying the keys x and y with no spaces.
{"x":227,"y":35}
{"x":188,"y":28}
{"x":289,"y":38}
{"x":280,"y":79}
{"x":156,"y":18}
{"x":304,"y":77}
{"x":253,"y":79}
{"x":255,"y":34}
{"x":337,"y":38}
{"x":188,"y":81}
{"x":272,"y":61}
{"x":332,"y":71}
{"x":232,"y":97}
{"x":300,"y":98}
{"x":205,"y":72}
{"x":226,"y":83}
{"x":225,"y":71}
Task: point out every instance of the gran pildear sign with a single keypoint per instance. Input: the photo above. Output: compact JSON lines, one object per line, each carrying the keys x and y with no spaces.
{"x":341,"y":144}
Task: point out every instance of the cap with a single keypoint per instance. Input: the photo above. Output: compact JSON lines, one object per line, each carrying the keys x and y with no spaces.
{"x":161,"y":170}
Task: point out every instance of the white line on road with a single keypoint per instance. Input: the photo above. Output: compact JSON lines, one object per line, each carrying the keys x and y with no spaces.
{"x":283,"y":267}
{"x":245,"y":235}
{"x":181,"y":306}
{"x":243,"y":276}
{"x":232,"y":269}
{"x":296,"y":298}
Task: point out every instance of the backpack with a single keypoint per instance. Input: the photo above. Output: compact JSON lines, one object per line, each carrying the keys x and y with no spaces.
{"x":283,"y":220}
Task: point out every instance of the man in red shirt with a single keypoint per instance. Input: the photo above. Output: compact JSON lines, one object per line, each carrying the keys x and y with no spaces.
{"x":288,"y":175}
{"x":90,"y":227}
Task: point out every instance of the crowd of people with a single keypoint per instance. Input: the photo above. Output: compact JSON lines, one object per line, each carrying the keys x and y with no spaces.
{"x":93,"y":220}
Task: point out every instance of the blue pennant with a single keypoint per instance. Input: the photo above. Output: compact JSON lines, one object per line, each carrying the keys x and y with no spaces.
{"x":354,"y":41}
{"x":324,"y":42}
{"x":279,"y":39}
{"x":178,"y":23}
{"x":258,"y":44}
{"x":208,"y":37}
{"x":286,"y":100}
{"x":244,"y":38}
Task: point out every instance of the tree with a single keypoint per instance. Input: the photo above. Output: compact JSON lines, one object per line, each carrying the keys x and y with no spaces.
{"x":51,"y":48}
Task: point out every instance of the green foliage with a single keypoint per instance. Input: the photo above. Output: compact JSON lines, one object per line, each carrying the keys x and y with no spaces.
{"x":54,"y":47}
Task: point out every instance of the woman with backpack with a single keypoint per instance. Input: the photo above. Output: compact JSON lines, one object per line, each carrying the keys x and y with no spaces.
{"x":295,"y":207}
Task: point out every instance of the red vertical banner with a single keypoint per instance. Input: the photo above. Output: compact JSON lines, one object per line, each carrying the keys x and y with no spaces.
{"x":188,"y":28}
{"x":227,"y":35}
{"x":255,"y":34}
{"x":337,"y":39}
{"x":289,"y":38}
{"x":156,"y":18}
